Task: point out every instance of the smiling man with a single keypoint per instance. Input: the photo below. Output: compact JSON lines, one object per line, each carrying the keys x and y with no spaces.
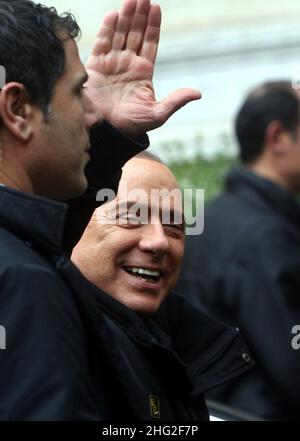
{"x":132,"y":251}
{"x":139,"y":254}
{"x":52,"y":110}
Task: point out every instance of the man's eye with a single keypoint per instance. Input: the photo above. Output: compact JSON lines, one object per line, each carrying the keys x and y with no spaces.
{"x":174,"y":228}
{"x":178,"y":226}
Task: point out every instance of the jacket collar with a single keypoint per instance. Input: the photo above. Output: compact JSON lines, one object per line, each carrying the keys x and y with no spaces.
{"x":33,"y":219}
{"x":242,"y":180}
{"x":144,"y":330}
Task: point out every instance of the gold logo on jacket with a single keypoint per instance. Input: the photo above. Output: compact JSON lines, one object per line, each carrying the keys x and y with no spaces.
{"x":154,"y":406}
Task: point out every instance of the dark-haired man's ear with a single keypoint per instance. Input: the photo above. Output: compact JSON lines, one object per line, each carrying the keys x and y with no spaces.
{"x":277,"y":138}
{"x":16,"y":111}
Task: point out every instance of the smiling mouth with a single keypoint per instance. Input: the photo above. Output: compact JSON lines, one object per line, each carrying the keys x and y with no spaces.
{"x":152,"y":276}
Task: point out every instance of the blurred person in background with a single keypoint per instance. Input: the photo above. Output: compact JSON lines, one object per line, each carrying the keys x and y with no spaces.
{"x":163,"y":353}
{"x":244,"y":268}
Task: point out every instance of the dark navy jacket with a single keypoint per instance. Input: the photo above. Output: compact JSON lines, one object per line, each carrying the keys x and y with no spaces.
{"x":245,"y":270}
{"x":75,"y":353}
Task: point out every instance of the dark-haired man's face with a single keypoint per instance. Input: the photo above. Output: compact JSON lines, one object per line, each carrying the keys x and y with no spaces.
{"x":62,"y":142}
{"x":291,"y":160}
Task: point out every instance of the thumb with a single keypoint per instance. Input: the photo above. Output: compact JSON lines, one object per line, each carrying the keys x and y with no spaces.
{"x":173,"y":102}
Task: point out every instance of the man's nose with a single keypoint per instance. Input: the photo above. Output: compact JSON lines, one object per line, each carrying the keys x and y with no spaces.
{"x":154,"y":239}
{"x":91,"y":113}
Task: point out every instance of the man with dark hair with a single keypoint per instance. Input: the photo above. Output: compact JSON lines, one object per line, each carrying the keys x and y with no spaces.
{"x":273,"y":101}
{"x":244,"y":269}
{"x":50,"y":127}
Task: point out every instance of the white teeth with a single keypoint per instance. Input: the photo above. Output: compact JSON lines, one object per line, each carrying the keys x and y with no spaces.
{"x":145,"y":271}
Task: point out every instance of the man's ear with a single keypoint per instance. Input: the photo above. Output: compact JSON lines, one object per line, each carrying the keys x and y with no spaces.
{"x":16,"y":111}
{"x":277,"y":138}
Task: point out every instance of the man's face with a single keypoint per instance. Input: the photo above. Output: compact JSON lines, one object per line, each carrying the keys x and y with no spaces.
{"x":62,"y":142}
{"x":136,"y":263}
{"x":292,"y":161}
{"x":285,"y":157}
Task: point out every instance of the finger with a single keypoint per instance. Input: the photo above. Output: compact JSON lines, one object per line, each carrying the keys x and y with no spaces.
{"x":126,"y":15}
{"x":138,"y":26}
{"x":105,"y":34}
{"x":175,"y":101}
{"x":152,"y":34}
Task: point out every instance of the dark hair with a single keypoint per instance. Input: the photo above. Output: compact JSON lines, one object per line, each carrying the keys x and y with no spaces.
{"x":272,"y":101}
{"x":30,"y":49}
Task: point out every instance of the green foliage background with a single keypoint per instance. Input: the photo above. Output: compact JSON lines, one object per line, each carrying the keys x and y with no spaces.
{"x":194,"y":170}
{"x":207,"y":174}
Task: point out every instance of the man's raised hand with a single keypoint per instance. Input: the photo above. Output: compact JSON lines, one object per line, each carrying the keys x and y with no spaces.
{"x":121,"y":70}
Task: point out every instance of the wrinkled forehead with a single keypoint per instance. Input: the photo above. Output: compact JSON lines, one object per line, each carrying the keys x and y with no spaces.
{"x":148,"y":187}
{"x":147,"y":174}
{"x":154,"y":201}
{"x":149,"y":182}
{"x":156,"y":195}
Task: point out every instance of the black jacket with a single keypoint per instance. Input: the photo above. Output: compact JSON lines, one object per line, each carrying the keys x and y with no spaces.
{"x":75,"y":353}
{"x":244,"y":270}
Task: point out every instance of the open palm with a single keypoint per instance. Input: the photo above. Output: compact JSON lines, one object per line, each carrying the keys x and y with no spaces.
{"x":121,"y":69}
